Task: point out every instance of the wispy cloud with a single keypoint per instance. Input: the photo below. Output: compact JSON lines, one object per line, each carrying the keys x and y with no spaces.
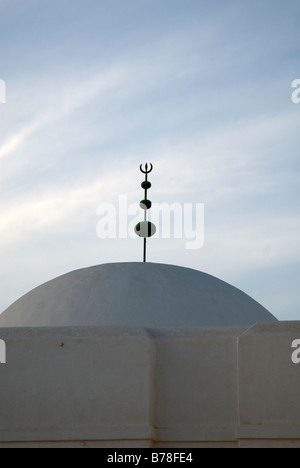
{"x":202,"y":92}
{"x":15,"y":141}
{"x":50,"y":210}
{"x":67,"y":100}
{"x":60,"y":207}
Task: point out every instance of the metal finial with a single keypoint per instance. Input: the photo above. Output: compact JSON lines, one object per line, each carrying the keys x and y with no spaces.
{"x":145,"y":229}
{"x":146,"y":168}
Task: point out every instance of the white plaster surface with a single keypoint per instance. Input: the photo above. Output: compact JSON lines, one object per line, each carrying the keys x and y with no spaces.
{"x":136,"y":387}
{"x":146,"y":355}
{"x":69,"y":384}
{"x":135,"y":294}
{"x":269,"y":382}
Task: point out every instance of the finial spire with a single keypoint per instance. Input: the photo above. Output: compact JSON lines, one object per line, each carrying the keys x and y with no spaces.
{"x":145,"y":228}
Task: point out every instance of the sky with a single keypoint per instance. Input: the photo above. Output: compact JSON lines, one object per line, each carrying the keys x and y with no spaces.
{"x":201,"y":89}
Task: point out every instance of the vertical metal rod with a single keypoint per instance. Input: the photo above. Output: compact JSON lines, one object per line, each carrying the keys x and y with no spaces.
{"x":145,"y":218}
{"x":145,"y":244}
{"x":145,"y":224}
{"x":146,"y":180}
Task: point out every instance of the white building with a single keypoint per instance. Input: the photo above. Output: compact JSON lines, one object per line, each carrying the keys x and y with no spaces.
{"x":146,"y":355}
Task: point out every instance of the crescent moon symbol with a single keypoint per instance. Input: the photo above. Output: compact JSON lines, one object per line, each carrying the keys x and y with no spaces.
{"x":146,"y":167}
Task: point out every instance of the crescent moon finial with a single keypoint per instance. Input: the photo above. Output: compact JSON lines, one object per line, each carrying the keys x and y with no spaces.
{"x":146,"y":171}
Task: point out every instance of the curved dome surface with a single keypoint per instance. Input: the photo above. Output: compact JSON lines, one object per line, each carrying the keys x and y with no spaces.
{"x":135,"y":294}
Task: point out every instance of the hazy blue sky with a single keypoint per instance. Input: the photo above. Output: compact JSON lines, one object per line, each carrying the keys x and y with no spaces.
{"x":202,"y":89}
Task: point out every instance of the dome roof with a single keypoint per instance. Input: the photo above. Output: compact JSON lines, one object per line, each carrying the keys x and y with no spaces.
{"x":135,"y":294}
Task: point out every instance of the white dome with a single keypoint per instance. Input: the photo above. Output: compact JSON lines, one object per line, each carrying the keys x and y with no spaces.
{"x":135,"y":294}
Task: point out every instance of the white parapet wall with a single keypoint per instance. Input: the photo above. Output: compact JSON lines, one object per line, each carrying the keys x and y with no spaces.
{"x":135,"y":387}
{"x":269,"y":386}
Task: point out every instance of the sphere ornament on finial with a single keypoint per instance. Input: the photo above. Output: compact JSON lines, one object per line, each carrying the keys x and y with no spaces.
{"x":145,"y":229}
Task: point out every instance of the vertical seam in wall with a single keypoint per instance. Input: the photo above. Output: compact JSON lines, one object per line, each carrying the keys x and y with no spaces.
{"x":153,"y":387}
